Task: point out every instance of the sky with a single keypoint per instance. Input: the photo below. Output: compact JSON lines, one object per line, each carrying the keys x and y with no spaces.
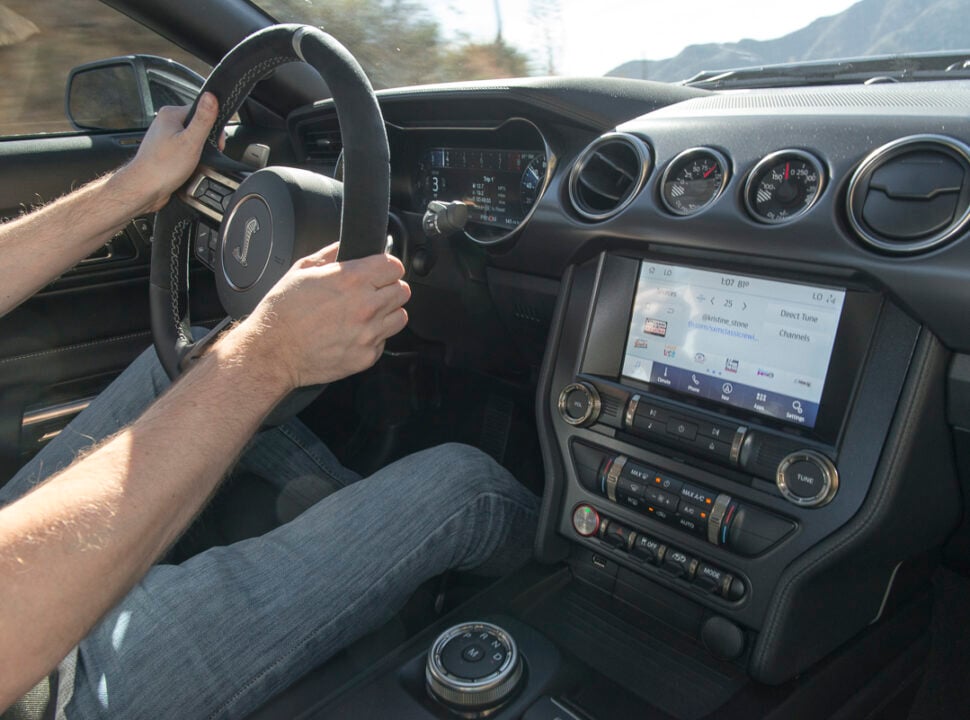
{"x":594,"y":36}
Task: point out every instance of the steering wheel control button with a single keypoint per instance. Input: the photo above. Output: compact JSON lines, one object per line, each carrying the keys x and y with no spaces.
{"x":807,"y":478}
{"x":579,"y":404}
{"x":586,"y":521}
{"x":473,"y":668}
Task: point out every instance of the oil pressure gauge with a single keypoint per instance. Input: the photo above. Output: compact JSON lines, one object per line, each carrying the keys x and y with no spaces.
{"x":693,"y":180}
{"x":783,"y":186}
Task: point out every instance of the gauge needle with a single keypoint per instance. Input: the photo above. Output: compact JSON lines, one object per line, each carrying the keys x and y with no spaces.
{"x":708,"y":173}
{"x":787,"y":169}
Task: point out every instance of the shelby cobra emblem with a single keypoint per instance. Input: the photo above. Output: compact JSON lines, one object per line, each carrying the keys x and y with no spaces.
{"x":241,"y":253}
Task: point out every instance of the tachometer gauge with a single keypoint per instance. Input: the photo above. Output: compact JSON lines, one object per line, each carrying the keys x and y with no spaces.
{"x":693,"y":180}
{"x":783,"y":185}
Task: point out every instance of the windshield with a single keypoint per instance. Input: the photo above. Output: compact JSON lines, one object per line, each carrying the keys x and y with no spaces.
{"x":407,"y":42}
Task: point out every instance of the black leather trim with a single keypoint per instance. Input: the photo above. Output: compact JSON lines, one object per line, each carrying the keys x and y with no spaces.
{"x":833,"y":591}
{"x":549,"y":547}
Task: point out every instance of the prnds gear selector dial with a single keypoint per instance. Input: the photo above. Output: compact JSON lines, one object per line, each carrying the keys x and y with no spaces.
{"x":473,"y":668}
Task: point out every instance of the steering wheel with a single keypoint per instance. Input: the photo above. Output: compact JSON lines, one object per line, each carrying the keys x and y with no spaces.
{"x":269,"y":218}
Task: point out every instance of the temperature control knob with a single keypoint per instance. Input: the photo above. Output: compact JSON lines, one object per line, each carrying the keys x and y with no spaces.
{"x":579,"y":404}
{"x":807,"y":478}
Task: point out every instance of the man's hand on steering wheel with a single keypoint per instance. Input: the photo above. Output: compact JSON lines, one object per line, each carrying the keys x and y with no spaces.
{"x":325,"y":320}
{"x":170,"y":151}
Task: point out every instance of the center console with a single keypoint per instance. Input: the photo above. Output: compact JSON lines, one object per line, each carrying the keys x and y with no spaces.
{"x":719,"y":431}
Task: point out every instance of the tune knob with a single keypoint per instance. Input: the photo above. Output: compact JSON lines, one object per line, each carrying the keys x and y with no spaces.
{"x":579,"y":404}
{"x":473,"y":668}
{"x":807,"y":478}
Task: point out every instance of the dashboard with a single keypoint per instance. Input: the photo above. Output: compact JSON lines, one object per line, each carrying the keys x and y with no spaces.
{"x":741,"y":307}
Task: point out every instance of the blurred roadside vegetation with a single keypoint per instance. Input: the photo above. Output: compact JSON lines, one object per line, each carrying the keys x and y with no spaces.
{"x":397,"y":42}
{"x":65,"y":33}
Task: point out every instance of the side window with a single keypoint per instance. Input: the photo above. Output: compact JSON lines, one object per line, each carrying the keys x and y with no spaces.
{"x":41,"y":40}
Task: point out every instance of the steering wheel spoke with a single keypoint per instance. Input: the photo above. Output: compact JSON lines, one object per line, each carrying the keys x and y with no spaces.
{"x":210,"y":191}
{"x":189,"y":351}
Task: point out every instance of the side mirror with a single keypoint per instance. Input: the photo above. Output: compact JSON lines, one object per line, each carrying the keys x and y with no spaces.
{"x":124,"y":93}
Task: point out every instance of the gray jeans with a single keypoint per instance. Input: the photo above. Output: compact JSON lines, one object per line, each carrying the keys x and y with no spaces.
{"x":218,"y":635}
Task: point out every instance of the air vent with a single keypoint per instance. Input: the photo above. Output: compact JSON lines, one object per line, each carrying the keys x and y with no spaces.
{"x":608,"y":175}
{"x":912,"y":194}
{"x":322,"y":146}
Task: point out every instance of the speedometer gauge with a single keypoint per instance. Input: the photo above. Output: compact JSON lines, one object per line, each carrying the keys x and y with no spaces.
{"x":783,"y":185}
{"x":693,"y":180}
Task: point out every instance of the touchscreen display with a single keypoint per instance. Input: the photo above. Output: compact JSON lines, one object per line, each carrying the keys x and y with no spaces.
{"x":759,"y":345}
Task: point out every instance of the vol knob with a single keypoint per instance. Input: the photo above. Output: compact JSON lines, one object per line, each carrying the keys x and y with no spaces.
{"x":579,"y":404}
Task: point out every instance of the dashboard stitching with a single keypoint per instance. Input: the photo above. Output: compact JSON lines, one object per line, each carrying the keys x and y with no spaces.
{"x":882,"y":491}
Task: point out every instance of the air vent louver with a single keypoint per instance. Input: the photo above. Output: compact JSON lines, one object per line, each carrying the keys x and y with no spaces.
{"x":912,"y":194}
{"x":608,"y":175}
{"x":322,"y":146}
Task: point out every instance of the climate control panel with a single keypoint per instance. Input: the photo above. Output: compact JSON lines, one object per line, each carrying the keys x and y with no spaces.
{"x":695,"y":509}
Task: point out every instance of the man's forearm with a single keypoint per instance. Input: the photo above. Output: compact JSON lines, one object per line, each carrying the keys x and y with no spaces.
{"x":74,"y":546}
{"x":40,"y":246}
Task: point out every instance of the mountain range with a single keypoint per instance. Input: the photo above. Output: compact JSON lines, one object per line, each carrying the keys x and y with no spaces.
{"x":870,"y":27}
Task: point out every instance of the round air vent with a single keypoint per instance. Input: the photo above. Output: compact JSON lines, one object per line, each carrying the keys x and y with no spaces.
{"x":608,"y":175}
{"x":912,"y":194}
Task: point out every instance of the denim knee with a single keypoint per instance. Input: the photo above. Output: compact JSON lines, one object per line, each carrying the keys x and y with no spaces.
{"x":456,"y":474}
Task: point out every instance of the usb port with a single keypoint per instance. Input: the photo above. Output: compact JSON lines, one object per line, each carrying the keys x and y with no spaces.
{"x":599,"y":561}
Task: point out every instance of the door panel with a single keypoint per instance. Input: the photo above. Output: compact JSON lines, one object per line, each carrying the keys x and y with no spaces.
{"x":61,"y":347}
